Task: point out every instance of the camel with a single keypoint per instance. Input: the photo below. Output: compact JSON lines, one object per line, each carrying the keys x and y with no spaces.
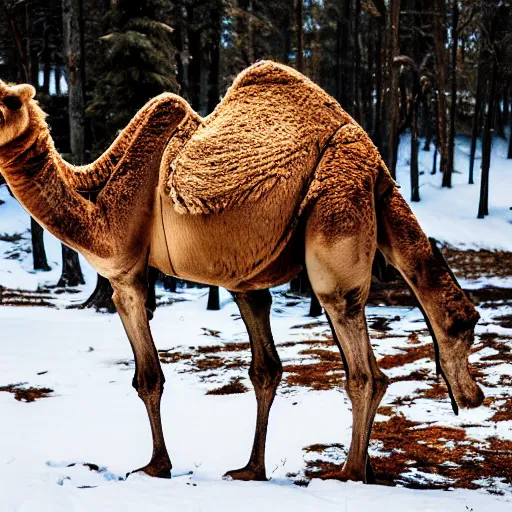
{"x":276,"y":179}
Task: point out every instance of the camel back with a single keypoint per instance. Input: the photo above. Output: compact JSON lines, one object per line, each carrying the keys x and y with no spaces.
{"x":268,"y":133}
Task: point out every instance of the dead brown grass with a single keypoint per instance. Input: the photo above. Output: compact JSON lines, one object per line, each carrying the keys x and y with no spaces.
{"x":235,"y":386}
{"x":443,"y":451}
{"x":326,"y":373}
{"x":408,"y":356}
{"x":229,"y":347}
{"x":504,"y":413}
{"x":24,"y":394}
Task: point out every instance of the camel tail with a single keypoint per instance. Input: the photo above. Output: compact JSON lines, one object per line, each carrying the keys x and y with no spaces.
{"x":449,"y":314}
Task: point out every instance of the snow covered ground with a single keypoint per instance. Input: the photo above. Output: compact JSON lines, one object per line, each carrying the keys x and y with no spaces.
{"x":93,"y":416}
{"x":450,"y":214}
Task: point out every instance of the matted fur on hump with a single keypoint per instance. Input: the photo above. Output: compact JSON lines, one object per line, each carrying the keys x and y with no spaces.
{"x":268,"y":132}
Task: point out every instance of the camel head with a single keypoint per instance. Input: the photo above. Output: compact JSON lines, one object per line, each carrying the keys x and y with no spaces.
{"x":15,"y":111}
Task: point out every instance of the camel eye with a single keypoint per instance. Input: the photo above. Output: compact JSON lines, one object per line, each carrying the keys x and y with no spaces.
{"x":12,"y":102}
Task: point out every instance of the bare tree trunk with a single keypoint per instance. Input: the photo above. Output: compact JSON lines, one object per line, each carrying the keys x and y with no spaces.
{"x":483,"y":205}
{"x":71,"y":271}
{"x":447,"y":176}
{"x":427,"y":99}
{"x":300,"y":34}
{"x":213,"y":299}
{"x":415,"y":175}
{"x":476,"y":120}
{"x":181,"y":65}
{"x":46,"y":57}
{"x":38,"y":252}
{"x":101,"y":297}
{"x":440,"y":44}
{"x":58,"y":75}
{"x":169,"y":282}
{"x":214,"y":71}
{"x":378,"y":130}
{"x":315,"y":309}
{"x":194,"y":62}
{"x":356,"y":69}
{"x":509,"y":155}
{"x":394,"y":104}
{"x":73,"y":32}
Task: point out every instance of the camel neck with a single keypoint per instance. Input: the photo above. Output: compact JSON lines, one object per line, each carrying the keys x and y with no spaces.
{"x":36,"y":175}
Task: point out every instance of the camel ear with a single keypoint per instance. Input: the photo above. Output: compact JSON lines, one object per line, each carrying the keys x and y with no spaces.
{"x":25,"y":91}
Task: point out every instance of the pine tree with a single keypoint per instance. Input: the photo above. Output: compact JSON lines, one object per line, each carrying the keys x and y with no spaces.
{"x":139,"y":64}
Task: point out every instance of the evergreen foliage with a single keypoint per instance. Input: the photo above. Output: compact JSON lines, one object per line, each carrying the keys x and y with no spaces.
{"x":139,"y":64}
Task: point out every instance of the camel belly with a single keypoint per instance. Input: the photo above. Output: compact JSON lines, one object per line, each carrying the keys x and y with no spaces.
{"x":249,"y":247}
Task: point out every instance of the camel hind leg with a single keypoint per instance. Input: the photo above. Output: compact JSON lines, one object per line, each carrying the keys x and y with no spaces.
{"x":339,"y":255}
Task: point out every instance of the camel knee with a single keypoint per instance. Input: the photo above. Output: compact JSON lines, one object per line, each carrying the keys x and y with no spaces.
{"x":367,"y":384}
{"x":348,"y":304}
{"x":148,"y":381}
{"x":266,"y":375}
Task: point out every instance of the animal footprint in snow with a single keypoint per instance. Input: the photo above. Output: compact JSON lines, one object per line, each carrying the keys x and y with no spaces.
{"x":84,"y":475}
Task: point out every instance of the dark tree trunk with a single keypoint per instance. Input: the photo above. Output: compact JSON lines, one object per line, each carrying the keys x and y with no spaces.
{"x":38,"y":252}
{"x":170,"y":283}
{"x":71,"y":270}
{"x":214,"y":71}
{"x":300,"y":34}
{"x":476,"y":121}
{"x":499,"y":125}
{"x":194,"y":61}
{"x":415,"y":175}
{"x":483,"y":205}
{"x":427,"y":120}
{"x":74,"y":47}
{"x":101,"y":297}
{"x":447,"y":176}
{"x":357,"y":72}
{"x":368,"y":94}
{"x":378,"y":130}
{"x":213,"y":299}
{"x":394,"y":98}
{"x":510,"y":143}
{"x":181,"y":65}
{"x":338,"y":67}
{"x":45,"y":56}
{"x":315,"y":309}
{"x":440,"y":45}
{"x":58,"y":75}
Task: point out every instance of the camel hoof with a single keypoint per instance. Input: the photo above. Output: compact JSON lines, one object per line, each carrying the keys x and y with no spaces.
{"x":156,"y":470}
{"x":246,"y":474}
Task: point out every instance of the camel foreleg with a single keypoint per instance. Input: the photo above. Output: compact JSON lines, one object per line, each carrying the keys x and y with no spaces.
{"x":265,"y":373}
{"x":130,"y":299}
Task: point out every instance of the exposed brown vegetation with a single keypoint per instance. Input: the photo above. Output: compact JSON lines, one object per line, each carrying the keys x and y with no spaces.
{"x":472,"y":264}
{"x":24,"y":394}
{"x":409,"y":355}
{"x":322,"y":375}
{"x":235,"y":386}
{"x":504,"y":412}
{"x":228,"y":347}
{"x":442,"y":451}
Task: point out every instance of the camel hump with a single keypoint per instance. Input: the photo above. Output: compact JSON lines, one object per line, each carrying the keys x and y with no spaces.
{"x":266,"y":133}
{"x":266,"y":72}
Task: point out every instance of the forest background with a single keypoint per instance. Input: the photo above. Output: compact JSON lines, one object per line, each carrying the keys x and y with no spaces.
{"x":436,"y":69}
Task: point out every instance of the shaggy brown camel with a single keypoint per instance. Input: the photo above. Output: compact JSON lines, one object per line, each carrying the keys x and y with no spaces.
{"x":279,"y":177}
